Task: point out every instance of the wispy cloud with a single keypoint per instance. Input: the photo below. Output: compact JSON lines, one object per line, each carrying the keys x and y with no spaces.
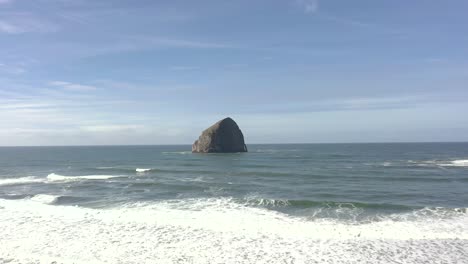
{"x":365,"y":25}
{"x":112,"y":128}
{"x":346,"y":21}
{"x":11,"y":69}
{"x":115,"y":44}
{"x":347,"y":104}
{"x":72,"y":86}
{"x":183,"y":68}
{"x":6,"y":27}
{"x":312,"y":7}
{"x":15,"y":105}
{"x":75,"y":18}
{"x":49,"y":120}
{"x":179,"y":43}
{"x":102,"y":11}
{"x":24,"y":22}
{"x":42,"y":116}
{"x":309,"y":6}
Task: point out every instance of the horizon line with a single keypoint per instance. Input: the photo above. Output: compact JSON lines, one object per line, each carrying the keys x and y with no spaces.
{"x":300,"y":143}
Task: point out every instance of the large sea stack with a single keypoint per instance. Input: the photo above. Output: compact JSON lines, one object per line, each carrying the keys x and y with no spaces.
{"x":222,"y":137}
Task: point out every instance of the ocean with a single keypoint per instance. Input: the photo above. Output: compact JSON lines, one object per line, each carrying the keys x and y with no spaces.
{"x":291,"y":203}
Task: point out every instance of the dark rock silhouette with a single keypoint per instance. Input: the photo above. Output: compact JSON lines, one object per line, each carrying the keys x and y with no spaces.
{"x":222,"y":137}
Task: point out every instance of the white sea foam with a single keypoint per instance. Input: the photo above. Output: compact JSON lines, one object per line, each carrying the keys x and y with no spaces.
{"x":57,"y":177}
{"x":218,"y":231}
{"x":142,"y":170}
{"x":461,"y":163}
{"x":197,"y":179}
{"x":52,"y":178}
{"x":453,"y":163}
{"x":45,"y":198}
{"x":440,"y":163}
{"x":10,"y":181}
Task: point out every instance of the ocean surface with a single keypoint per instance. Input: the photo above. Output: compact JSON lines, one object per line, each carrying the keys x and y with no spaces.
{"x":301,"y":203}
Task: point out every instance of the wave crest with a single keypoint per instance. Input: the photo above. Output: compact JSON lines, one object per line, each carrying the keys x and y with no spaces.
{"x":142,"y":170}
{"x":45,"y":198}
{"x":57,"y":177}
{"x":12,"y":181}
{"x":461,"y":163}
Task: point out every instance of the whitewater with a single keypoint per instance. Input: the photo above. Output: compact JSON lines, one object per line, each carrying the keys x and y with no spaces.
{"x":217,"y":231}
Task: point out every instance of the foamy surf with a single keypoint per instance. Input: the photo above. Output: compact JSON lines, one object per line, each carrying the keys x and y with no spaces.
{"x":57,"y":177}
{"x":142,"y":170}
{"x":21,"y":180}
{"x":462,"y":163}
{"x":45,"y":198}
{"x":440,"y":163}
{"x":452,"y":163}
{"x":218,"y":231}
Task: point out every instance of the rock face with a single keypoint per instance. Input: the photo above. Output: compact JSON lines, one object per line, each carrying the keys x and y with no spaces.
{"x":222,"y":137}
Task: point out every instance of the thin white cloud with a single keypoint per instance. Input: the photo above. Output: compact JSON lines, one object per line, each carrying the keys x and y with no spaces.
{"x":312,"y":7}
{"x":112,"y":128}
{"x":88,"y":16}
{"x":346,"y":104}
{"x":11,"y":69}
{"x":60,"y":117}
{"x":184,"y":68}
{"x":6,"y":27}
{"x":5,"y":1}
{"x":24,"y":22}
{"x":309,"y":6}
{"x":347,"y":21}
{"x":435,"y":60}
{"x":179,"y":43}
{"x":237,"y":65}
{"x":76,"y":18}
{"x":72,"y":86}
{"x":359,"y":24}
{"x":23,"y":105}
{"x":63,"y":50}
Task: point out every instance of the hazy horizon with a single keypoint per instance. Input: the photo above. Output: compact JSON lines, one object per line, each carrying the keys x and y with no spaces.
{"x":287,"y":71}
{"x":253,"y":144}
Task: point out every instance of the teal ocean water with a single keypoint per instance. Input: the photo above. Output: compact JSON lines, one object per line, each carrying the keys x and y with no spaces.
{"x":298,"y":203}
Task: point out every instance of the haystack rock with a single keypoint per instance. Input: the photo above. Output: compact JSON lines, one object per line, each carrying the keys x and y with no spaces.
{"x":222,"y":137}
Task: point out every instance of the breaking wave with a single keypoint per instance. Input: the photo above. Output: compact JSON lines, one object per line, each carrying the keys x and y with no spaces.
{"x":142,"y":170}
{"x":459,"y":163}
{"x":253,"y":200}
{"x":57,"y":177}
{"x":22,"y":180}
{"x":440,"y":163}
{"x":219,"y":230}
{"x":45,"y":198}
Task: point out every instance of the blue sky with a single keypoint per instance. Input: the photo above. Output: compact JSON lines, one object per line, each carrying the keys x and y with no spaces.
{"x":76,"y":72}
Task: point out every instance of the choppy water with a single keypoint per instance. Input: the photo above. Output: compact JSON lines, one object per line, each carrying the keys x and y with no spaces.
{"x":317,"y":203}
